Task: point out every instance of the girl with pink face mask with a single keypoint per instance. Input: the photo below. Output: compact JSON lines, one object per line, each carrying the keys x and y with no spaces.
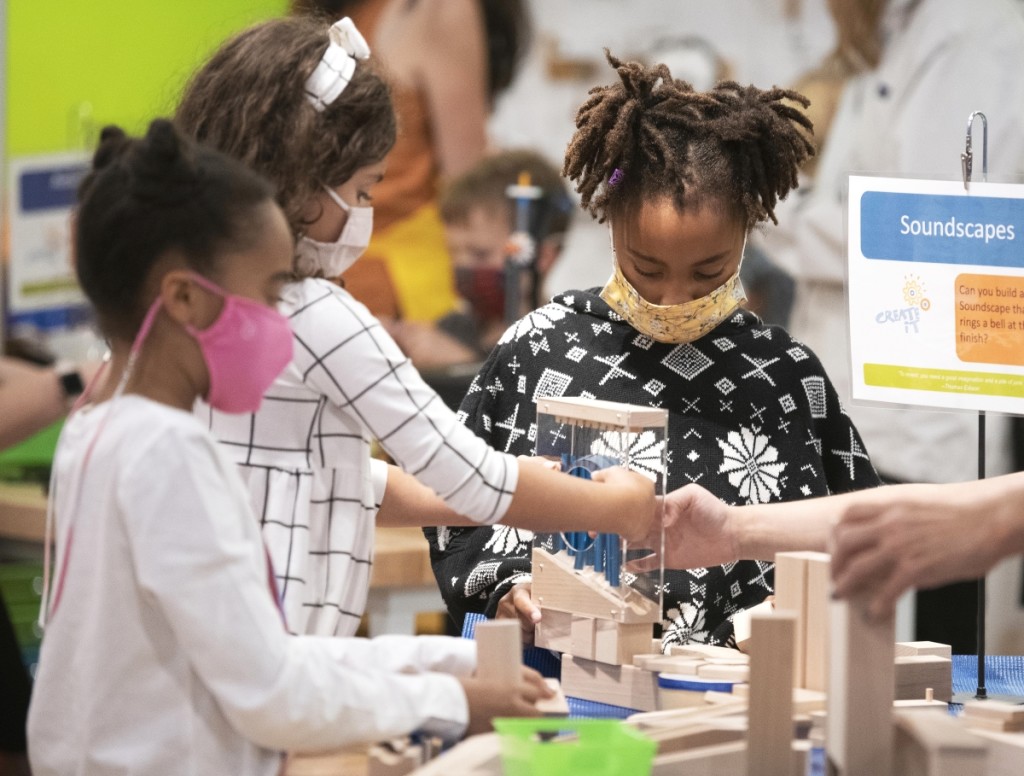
{"x":303,"y":104}
{"x":165,"y":648}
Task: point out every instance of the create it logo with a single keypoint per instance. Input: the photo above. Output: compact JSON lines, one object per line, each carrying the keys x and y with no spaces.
{"x":915,"y":302}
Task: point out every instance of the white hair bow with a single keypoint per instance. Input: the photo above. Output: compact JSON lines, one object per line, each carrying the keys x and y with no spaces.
{"x":335,"y":69}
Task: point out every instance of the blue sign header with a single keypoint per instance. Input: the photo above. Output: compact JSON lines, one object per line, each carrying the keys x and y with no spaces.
{"x":52,"y":188}
{"x":942,"y":229}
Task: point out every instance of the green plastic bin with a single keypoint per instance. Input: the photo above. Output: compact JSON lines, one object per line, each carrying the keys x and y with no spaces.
{"x":573,"y":747}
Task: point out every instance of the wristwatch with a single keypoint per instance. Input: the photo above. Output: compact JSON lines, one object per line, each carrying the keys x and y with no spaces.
{"x":71,"y":383}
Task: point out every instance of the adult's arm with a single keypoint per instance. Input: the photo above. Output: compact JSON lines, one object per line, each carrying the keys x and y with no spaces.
{"x":30,"y":400}
{"x":453,"y":74}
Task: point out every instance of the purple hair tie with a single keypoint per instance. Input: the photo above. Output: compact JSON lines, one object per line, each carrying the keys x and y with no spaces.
{"x":616,"y":177}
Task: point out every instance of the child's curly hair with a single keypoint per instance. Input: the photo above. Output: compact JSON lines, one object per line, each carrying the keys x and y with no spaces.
{"x":652,"y":135}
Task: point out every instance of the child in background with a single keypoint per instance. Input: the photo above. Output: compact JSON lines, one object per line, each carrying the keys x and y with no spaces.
{"x":299,"y":102}
{"x":166,"y":651}
{"x":682,"y":177}
{"x":480,"y":228}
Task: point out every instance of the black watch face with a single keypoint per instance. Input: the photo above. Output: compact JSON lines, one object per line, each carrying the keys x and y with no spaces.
{"x":72,"y":384}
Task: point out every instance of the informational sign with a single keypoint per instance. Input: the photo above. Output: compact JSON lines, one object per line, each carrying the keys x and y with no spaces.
{"x":42,"y":285}
{"x":936,"y":284}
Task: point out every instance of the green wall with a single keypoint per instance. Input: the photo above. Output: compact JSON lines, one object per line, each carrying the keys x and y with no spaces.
{"x":73,"y":67}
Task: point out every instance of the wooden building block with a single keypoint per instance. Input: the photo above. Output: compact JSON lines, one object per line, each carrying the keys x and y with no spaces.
{"x":697,"y":733}
{"x":554,"y":631}
{"x":1010,"y":714}
{"x":859,"y":728}
{"x":617,"y":643}
{"x":473,"y":756}
{"x":741,"y":623}
{"x":554,"y":707}
{"x":385,"y":760}
{"x":914,"y":675}
{"x":581,"y":637}
{"x":769,"y":744}
{"x":802,"y":586}
{"x":592,"y":638}
{"x":1005,"y":752}
{"x":816,"y":646}
{"x":791,"y":595}
{"x":672,"y":664}
{"x":936,"y":745}
{"x":907,"y":648}
{"x":499,"y":648}
{"x":705,"y":652}
{"x":626,"y":686}
{"x":727,"y":673}
{"x":804,"y":701}
{"x":718,"y":760}
{"x":557,"y":585}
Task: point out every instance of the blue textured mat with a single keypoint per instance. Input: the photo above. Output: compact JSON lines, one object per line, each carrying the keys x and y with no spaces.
{"x":1004,"y":674}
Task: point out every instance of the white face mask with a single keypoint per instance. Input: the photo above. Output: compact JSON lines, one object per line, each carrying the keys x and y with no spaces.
{"x":332,"y":259}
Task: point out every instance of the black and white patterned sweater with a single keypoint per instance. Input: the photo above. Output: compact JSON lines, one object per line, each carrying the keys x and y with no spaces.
{"x":752,"y":418}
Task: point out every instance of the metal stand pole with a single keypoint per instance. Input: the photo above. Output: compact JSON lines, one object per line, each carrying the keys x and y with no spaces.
{"x":981,"y":693}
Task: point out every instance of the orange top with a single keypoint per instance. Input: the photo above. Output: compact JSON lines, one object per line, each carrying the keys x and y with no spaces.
{"x":413,"y":170}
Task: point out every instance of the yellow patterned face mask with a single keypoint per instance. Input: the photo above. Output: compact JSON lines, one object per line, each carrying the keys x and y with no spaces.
{"x":676,"y":323}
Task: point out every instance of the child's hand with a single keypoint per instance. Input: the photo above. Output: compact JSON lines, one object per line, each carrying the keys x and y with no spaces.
{"x":518,"y":603}
{"x":489,"y":699}
{"x":636,"y":494}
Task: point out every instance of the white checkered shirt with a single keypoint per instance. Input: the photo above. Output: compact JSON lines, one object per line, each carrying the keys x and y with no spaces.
{"x":305,"y":455}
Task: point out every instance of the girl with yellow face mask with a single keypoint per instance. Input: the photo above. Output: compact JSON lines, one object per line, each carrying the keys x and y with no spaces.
{"x":681,"y":177}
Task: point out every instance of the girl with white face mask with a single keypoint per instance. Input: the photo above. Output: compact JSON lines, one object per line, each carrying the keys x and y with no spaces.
{"x":306,"y":108}
{"x":682,"y":177}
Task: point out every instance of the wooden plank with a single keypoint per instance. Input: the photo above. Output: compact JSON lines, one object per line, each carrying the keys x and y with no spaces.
{"x":907,"y":648}
{"x":627,"y":686}
{"x":706,"y":652}
{"x":499,"y":647}
{"x":727,"y":673}
{"x":670,"y":664}
{"x":773,"y":639}
{"x":804,"y":701}
{"x":859,"y":729}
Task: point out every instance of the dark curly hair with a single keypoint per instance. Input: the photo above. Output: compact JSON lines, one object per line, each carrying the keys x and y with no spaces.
{"x":147,"y":196}
{"x":652,"y":135}
{"x":249,"y":102}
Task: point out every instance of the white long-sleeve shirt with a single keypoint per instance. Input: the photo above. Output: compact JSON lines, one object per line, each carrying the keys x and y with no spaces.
{"x":942,"y":59}
{"x":166,"y":651}
{"x":305,"y":456}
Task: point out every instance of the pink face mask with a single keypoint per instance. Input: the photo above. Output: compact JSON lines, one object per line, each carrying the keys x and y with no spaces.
{"x":245,"y":349}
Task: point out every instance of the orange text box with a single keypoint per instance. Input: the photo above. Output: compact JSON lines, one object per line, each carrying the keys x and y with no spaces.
{"x":989,"y":312}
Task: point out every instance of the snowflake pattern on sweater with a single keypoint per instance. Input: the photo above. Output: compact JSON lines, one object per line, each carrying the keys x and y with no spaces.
{"x":752,"y":418}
